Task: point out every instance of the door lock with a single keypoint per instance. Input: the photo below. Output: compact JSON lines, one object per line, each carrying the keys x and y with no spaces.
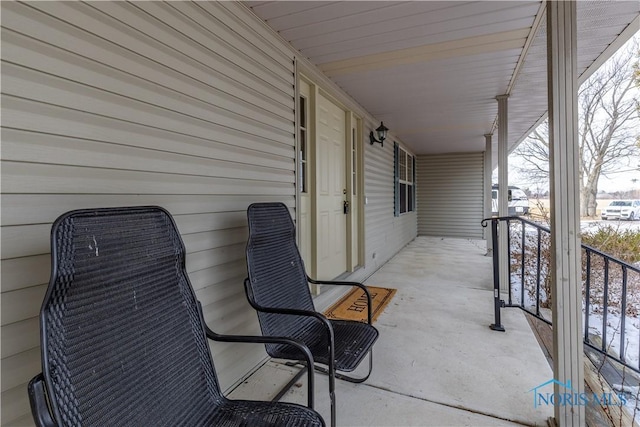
{"x":345,"y":207}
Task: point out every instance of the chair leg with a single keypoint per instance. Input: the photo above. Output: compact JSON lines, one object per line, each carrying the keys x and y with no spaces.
{"x":332,"y":383}
{"x":332,"y":387}
{"x":293,"y":380}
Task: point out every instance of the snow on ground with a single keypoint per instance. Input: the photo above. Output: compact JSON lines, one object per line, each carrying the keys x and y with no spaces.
{"x":631,"y":343}
{"x":591,"y":224}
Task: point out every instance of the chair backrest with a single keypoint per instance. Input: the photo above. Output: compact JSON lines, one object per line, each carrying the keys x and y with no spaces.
{"x":277,"y":278}
{"x":122,"y":336}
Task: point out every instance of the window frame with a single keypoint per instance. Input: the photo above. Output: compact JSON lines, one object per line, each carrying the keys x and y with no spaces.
{"x":404,"y":178}
{"x":303,"y":153}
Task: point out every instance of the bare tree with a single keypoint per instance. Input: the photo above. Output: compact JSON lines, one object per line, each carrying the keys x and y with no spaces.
{"x":609,"y":127}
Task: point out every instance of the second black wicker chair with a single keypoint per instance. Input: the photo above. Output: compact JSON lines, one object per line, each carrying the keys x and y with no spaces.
{"x":123,"y":338}
{"x":278,"y":288}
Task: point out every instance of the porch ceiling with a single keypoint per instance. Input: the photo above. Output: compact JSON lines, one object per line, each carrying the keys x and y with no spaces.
{"x":431,"y":69}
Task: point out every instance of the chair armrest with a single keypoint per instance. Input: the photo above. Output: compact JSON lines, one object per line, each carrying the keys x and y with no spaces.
{"x":295,"y":312}
{"x":306,"y":353}
{"x":340,"y":283}
{"x":38,"y":401}
{"x":273,"y":340}
{"x":290,"y":311}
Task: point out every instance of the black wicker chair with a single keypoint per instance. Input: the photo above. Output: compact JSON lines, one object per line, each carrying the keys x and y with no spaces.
{"x":278,"y":288}
{"x":124,"y":342}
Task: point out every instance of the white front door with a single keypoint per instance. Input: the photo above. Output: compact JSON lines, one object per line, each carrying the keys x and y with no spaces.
{"x":331,"y":187}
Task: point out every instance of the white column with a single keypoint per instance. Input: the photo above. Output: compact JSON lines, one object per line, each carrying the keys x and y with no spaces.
{"x":565,"y":206}
{"x":503,"y":190}
{"x":487,"y":190}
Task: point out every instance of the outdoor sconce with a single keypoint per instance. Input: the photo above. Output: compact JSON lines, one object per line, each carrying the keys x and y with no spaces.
{"x":381,"y":131}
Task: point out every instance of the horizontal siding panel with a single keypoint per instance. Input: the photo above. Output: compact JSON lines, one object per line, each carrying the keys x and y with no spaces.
{"x":190,"y":39}
{"x":21,"y":209}
{"x":149,"y":64}
{"x":234,"y":271}
{"x":208,"y":221}
{"x":13,"y":399}
{"x":40,"y":87}
{"x":21,"y":147}
{"x":20,"y":368}
{"x":187,"y":32}
{"x":164,"y":45}
{"x":224,"y":143}
{"x":261,"y":53}
{"x":25,"y":241}
{"x":22,"y":304}
{"x":225,"y":289}
{"x":252,"y":29}
{"x":38,"y":178}
{"x":215,"y":239}
{"x":20,"y":336}
{"x":450,"y":195}
{"x":26,"y":271}
{"x":164,"y":92}
{"x":212,"y":257}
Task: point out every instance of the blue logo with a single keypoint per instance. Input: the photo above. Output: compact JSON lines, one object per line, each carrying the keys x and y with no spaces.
{"x":567,"y":396}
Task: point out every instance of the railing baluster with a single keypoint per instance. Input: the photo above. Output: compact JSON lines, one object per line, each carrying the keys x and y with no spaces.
{"x":624,"y":311}
{"x":523,"y":255}
{"x":538,"y":273}
{"x":509,"y":257}
{"x":522,"y":286}
{"x":605,"y":304}
{"x":587,"y":297}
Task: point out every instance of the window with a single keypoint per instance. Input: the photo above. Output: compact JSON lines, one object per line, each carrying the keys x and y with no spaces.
{"x":404,"y":174}
{"x":303,"y":155}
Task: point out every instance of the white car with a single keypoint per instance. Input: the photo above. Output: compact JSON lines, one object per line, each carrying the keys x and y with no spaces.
{"x":622,"y":209}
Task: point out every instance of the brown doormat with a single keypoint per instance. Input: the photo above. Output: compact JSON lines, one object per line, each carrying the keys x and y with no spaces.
{"x":353,"y":306}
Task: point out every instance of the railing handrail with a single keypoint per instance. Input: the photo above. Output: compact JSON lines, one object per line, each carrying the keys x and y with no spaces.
{"x":547,"y":229}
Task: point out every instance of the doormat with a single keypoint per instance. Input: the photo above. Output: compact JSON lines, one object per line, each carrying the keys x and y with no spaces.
{"x":353,"y":306}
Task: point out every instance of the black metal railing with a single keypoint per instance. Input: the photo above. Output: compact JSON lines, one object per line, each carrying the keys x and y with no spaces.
{"x":607,"y":284}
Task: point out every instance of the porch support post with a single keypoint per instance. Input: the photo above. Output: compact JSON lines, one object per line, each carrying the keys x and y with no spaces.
{"x":503,"y":190}
{"x":565,"y":207}
{"x":487,"y":190}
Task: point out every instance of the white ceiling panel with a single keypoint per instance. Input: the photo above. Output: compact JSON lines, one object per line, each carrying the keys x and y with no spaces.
{"x":431,"y":70}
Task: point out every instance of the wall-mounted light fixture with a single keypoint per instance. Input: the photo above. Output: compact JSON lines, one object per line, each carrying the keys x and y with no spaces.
{"x":381,"y":131}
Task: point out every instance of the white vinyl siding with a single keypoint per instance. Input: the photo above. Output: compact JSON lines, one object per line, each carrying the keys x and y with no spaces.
{"x":185,"y":105}
{"x":450,"y":195}
{"x":385,"y":234}
{"x":182,"y":105}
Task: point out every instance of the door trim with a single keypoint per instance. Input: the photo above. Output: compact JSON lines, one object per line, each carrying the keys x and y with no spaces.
{"x":355,"y":223}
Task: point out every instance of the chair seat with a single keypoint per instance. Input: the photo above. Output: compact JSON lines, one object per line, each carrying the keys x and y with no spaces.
{"x":352,"y":342}
{"x":245,"y":413}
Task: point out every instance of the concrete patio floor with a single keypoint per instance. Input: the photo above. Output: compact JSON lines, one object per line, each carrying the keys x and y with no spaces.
{"x":436,"y":362}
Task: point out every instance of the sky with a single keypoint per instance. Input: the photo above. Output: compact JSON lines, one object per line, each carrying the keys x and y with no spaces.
{"x":619,"y":180}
